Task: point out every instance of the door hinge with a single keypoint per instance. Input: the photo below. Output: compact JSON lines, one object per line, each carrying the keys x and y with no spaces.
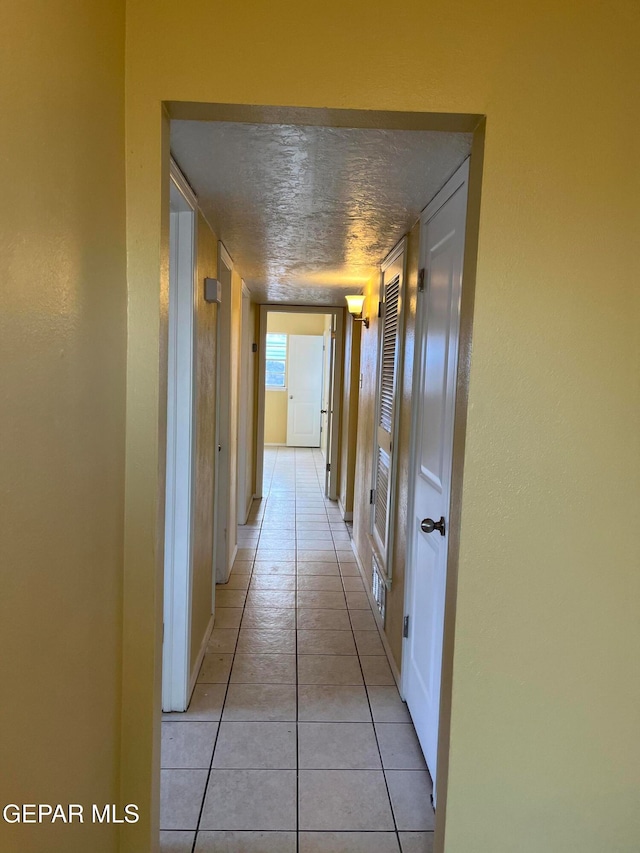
{"x":372,"y":496}
{"x":421,"y":276}
{"x":328,"y":466}
{"x":405,"y":627}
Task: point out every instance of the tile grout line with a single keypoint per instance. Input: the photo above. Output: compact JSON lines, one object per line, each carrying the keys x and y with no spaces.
{"x":373,"y":726}
{"x":226,"y":692}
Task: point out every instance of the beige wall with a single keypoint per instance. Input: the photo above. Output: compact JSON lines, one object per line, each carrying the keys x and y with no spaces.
{"x":544,"y":745}
{"x":62,"y":413}
{"x":275,"y":402}
{"x":295,"y":324}
{"x":207,"y":254}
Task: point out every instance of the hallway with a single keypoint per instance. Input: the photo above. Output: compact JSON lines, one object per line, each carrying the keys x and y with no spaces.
{"x":296,"y":740}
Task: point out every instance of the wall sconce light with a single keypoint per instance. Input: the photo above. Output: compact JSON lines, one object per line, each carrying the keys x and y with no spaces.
{"x":354,"y":307}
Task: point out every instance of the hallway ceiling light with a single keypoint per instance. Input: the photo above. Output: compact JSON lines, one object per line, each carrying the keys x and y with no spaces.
{"x":354,"y":306}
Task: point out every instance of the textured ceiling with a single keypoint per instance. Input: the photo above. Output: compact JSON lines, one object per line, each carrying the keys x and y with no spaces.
{"x":307,"y":213}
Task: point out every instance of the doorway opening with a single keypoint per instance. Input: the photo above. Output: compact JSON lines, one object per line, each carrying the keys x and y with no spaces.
{"x":345,"y":377}
{"x":300,"y":376}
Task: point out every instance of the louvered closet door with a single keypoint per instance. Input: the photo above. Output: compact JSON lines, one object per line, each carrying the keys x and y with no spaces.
{"x":388,"y":363}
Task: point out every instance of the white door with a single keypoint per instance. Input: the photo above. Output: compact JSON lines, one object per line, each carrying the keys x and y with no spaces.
{"x":304,"y":389}
{"x":442,"y":249}
{"x":181,"y":405}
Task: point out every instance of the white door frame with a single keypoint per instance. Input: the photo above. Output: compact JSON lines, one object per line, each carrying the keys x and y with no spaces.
{"x":225,"y":538}
{"x":244,"y":498}
{"x":180,"y":459}
{"x":455,"y":485}
{"x":336,"y":395}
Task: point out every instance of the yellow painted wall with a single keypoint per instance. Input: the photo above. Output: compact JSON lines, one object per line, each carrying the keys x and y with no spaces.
{"x":281,"y":322}
{"x":544,"y":747}
{"x":275,"y":417}
{"x":201,"y":597}
{"x":62,"y":413}
{"x":275,"y":402}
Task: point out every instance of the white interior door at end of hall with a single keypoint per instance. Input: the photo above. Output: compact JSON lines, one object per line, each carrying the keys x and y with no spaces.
{"x":304,"y":390}
{"x":439,"y":317}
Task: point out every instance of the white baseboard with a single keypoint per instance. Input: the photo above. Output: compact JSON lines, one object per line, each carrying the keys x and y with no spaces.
{"x":376,"y":615}
{"x":234,"y":554}
{"x":346,"y":516}
{"x":201,"y":654}
{"x":274,"y":444}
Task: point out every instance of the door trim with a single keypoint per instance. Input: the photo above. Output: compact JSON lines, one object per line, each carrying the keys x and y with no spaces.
{"x":180,"y":449}
{"x":225,"y":547}
{"x":471,"y":172}
{"x":244,"y":500}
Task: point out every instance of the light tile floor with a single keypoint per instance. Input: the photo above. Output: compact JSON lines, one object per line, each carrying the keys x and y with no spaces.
{"x":296,"y":739}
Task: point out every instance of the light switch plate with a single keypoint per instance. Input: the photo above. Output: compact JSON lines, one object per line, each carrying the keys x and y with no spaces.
{"x":212,"y":290}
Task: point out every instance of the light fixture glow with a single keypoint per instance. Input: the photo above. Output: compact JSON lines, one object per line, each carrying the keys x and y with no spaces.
{"x":354,"y":307}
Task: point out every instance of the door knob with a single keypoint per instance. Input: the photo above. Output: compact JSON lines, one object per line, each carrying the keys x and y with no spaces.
{"x":323,"y":411}
{"x":428,"y":525}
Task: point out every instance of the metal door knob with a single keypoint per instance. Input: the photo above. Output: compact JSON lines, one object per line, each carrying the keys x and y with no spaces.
{"x":323,"y":411}
{"x":428,"y":525}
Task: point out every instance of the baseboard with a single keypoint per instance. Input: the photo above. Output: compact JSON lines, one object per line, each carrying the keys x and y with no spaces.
{"x":247,"y":511}
{"x":234,"y":554}
{"x":376,"y":615}
{"x":201,"y":654}
{"x":274,"y":444}
{"x":346,"y":516}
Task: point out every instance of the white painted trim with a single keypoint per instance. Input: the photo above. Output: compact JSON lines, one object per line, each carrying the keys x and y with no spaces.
{"x":442,"y":196}
{"x":346,"y":516}
{"x":233,"y":556}
{"x":227,"y":260}
{"x":376,"y":615}
{"x":394,"y":254}
{"x":245,"y":392}
{"x":225,"y":503}
{"x":199,"y":659}
{"x":182,"y":184}
{"x":180,"y":453}
{"x":337,"y":383}
{"x":248,"y":511}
